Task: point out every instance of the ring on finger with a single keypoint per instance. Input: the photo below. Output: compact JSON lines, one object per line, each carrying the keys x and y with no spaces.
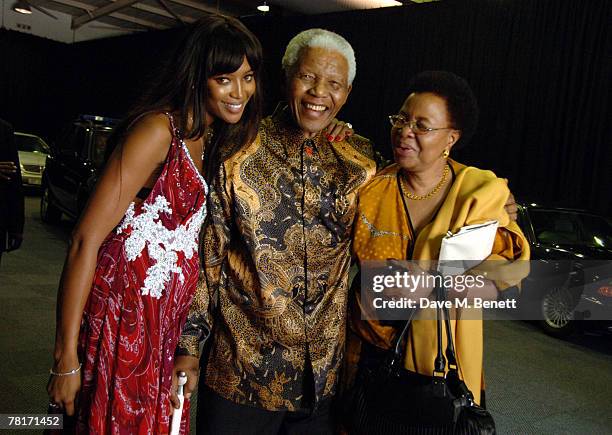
{"x":53,"y":405}
{"x":349,"y":125}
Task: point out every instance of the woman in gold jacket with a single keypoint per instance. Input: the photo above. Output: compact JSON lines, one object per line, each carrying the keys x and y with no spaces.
{"x":406,"y":209}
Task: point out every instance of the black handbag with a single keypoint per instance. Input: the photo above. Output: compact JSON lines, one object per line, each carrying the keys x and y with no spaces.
{"x":392,"y":400}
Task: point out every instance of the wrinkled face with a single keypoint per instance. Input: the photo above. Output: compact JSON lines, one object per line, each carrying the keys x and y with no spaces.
{"x":228,"y":94}
{"x":418,"y":152}
{"x":317,"y":88}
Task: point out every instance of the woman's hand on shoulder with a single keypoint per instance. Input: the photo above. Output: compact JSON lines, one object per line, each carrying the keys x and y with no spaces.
{"x":338,"y":130}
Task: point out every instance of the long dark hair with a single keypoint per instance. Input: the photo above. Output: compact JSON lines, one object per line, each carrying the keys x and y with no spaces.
{"x":213,"y":45}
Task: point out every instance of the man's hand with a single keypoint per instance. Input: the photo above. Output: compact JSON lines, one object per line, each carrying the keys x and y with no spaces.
{"x":7,"y":170}
{"x":338,"y":130}
{"x":191,"y":366}
{"x":511,"y":207}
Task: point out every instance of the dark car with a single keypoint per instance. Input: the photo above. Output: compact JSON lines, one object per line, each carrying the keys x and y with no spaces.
{"x":572,"y":280}
{"x":73,"y":167}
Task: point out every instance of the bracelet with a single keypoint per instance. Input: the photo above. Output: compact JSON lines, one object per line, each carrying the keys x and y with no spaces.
{"x":71,"y":372}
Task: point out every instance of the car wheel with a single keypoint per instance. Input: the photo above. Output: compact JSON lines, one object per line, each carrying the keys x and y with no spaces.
{"x":49,"y":213}
{"x":558,"y":306}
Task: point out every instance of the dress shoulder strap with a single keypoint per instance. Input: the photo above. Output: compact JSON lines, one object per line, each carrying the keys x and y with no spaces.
{"x":175,"y":130}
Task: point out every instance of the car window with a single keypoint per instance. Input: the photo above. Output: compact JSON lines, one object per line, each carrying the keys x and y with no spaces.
{"x":82,"y":145}
{"x":99,"y":147}
{"x":596,"y":230}
{"x":63,"y":139}
{"x":32,"y":144}
{"x":72,"y":143}
{"x":571,"y":228}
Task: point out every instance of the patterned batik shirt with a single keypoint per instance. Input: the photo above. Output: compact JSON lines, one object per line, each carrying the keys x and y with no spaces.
{"x":276,"y":254}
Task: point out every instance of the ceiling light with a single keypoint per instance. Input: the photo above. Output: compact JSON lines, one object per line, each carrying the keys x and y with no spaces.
{"x":371,"y":4}
{"x":22,"y":7}
{"x":263,"y":7}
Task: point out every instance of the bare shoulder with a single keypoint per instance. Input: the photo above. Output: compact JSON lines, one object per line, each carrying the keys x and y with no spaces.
{"x":151,"y":135}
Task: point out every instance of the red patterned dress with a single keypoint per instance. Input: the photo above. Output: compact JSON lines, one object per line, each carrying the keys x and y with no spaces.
{"x":144,"y":282}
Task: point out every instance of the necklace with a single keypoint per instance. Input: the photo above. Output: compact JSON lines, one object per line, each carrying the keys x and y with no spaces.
{"x":207,"y":141}
{"x":428,"y":195}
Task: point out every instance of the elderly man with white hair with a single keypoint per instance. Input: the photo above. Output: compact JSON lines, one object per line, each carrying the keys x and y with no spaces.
{"x":276,"y":254}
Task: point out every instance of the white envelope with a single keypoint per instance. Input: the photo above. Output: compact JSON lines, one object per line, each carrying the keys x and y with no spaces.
{"x":467,"y":247}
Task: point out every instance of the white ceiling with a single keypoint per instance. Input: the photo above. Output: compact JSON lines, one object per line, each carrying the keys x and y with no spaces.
{"x":77,"y":20}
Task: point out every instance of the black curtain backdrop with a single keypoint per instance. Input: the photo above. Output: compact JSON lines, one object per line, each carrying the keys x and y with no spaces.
{"x":34,"y":92}
{"x":541,"y":70}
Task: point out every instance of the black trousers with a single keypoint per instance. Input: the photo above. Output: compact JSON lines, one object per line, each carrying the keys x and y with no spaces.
{"x":219,"y":416}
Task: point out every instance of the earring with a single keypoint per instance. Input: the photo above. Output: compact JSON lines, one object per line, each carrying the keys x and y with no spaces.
{"x":445,"y":153}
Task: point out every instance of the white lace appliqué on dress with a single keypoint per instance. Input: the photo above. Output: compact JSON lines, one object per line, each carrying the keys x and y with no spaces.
{"x":162,"y":244}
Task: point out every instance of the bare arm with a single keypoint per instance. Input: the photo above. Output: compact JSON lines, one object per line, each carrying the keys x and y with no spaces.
{"x":127,"y":171}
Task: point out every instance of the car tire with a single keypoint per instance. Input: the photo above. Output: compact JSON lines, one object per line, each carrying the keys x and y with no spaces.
{"x":49,"y":213}
{"x":557,"y":308}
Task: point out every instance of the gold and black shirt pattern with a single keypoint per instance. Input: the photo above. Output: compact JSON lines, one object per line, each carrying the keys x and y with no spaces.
{"x":276,"y":254}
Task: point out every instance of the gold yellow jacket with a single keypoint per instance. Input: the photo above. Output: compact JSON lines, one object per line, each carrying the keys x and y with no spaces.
{"x":382,"y":231}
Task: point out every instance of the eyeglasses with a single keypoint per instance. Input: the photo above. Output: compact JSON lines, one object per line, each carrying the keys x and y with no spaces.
{"x":398,"y":121}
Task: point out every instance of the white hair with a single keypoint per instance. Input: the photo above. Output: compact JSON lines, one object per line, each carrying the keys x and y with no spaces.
{"x":319,"y":38}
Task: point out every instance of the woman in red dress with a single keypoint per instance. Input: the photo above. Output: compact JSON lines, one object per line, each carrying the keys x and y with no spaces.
{"x":132,"y":265}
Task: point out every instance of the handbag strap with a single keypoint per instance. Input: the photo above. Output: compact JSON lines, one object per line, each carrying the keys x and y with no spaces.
{"x":450,"y":346}
{"x":440,"y":361}
{"x":397,"y":349}
{"x":394,"y":363}
{"x":442,"y":314}
{"x":453,"y":363}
